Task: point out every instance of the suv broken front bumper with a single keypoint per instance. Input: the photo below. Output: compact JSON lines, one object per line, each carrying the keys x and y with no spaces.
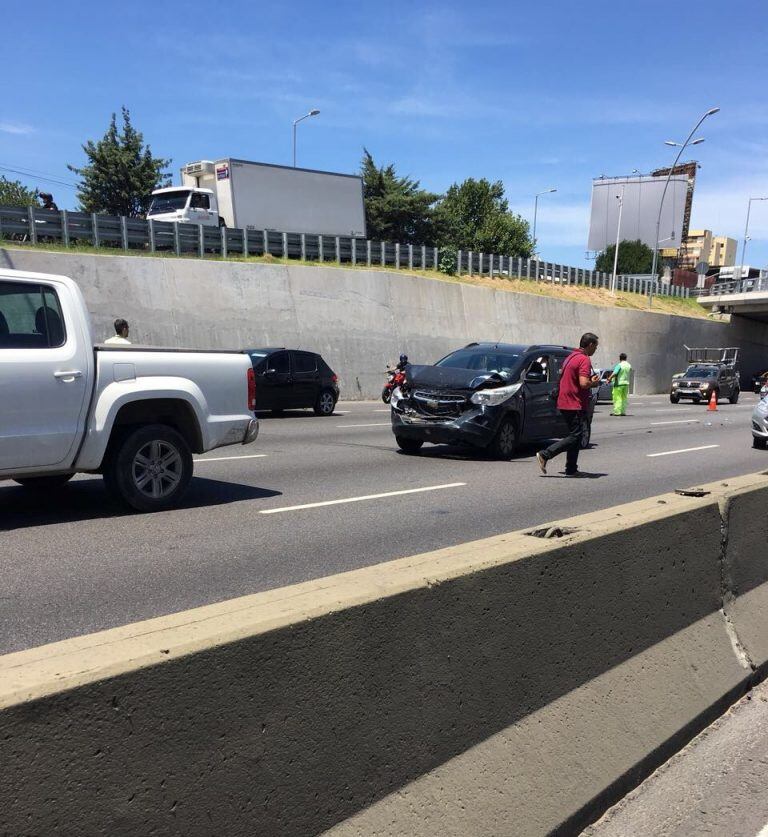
{"x":474,"y":426}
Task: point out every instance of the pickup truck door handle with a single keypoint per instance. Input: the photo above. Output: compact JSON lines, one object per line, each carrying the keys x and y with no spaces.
{"x":69,"y":375}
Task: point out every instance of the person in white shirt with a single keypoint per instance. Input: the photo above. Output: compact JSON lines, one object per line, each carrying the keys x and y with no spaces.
{"x":121,"y":332}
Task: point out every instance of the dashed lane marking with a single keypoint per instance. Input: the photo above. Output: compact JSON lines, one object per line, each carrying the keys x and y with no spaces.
{"x":360,"y":499}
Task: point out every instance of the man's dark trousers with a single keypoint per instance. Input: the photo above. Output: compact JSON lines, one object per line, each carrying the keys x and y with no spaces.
{"x":575,"y":419}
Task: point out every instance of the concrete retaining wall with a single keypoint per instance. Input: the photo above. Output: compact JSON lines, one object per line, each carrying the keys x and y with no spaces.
{"x":360,"y":320}
{"x":510,"y":685}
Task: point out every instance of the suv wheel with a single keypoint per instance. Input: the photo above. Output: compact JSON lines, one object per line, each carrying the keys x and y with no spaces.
{"x":760,"y":444}
{"x":675,"y":399}
{"x":504,"y":443}
{"x":409,"y":445}
{"x":150,"y":468}
{"x":325,"y":404}
{"x":734,"y":397}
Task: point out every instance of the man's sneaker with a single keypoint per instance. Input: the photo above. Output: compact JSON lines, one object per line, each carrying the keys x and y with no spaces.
{"x":542,"y":462}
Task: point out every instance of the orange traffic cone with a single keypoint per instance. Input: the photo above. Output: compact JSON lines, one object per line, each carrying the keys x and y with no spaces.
{"x":712,"y":402}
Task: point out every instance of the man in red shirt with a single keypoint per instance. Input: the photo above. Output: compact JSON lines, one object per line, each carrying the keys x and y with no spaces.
{"x":576,"y":380}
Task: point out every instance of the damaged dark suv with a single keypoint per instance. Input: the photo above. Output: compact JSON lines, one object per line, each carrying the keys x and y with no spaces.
{"x":493,"y":396}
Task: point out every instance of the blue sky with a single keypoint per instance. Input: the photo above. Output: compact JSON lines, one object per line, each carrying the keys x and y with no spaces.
{"x":544,"y":94}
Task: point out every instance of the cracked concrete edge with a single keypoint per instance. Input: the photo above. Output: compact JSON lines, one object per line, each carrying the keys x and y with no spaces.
{"x":37,"y":672}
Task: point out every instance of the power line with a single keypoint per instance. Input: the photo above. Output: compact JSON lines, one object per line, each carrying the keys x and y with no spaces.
{"x":38,"y":175}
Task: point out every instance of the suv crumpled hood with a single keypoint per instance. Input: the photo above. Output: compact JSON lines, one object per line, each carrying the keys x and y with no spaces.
{"x":450,"y":378}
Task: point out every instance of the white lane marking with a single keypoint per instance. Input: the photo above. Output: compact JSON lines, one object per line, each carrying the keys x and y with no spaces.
{"x":376,"y":424}
{"x":763,"y":831}
{"x":684,"y":450}
{"x":382,"y":411}
{"x":676,"y":421}
{"x":364,"y":497}
{"x":223,"y":458}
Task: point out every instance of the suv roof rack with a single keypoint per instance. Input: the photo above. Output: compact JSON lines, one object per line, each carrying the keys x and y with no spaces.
{"x":713,"y":356}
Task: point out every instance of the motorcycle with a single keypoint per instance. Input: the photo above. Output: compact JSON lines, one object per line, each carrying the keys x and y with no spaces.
{"x":395,"y":378}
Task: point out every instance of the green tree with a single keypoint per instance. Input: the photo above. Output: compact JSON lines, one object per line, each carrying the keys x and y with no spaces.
{"x":634,"y":257}
{"x":396,"y":208}
{"x":474,"y":215}
{"x":121,"y":172}
{"x":14,"y":193}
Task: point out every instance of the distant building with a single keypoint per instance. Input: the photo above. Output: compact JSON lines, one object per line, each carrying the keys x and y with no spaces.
{"x":713,"y":250}
{"x":696,"y":248}
{"x":723,"y":252}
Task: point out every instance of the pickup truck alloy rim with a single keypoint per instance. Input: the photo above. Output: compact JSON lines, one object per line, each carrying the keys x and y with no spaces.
{"x":157,"y":469}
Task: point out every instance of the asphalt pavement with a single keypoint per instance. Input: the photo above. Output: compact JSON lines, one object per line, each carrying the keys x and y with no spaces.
{"x":316,"y":496}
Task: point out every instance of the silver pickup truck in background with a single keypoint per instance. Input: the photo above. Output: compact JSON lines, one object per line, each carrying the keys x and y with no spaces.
{"x":134,"y":414}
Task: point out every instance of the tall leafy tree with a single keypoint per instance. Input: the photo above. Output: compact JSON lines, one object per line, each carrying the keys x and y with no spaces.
{"x":634,"y":257}
{"x":14,"y":193}
{"x":396,"y":208}
{"x":474,"y":215}
{"x":121,"y":172}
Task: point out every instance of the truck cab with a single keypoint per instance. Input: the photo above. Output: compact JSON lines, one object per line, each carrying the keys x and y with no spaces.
{"x":185,"y":205}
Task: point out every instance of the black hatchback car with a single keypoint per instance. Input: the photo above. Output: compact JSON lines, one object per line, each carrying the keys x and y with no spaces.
{"x":488,"y":395}
{"x":288,"y":379}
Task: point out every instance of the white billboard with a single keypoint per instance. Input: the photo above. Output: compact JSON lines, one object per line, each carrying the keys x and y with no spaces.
{"x":642,"y":197}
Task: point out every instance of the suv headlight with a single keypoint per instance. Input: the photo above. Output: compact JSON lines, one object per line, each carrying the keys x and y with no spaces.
{"x":675,"y":384}
{"x":493,"y":397}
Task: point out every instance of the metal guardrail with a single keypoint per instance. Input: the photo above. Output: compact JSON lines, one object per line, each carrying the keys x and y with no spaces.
{"x":734,"y":286}
{"x":35,"y":225}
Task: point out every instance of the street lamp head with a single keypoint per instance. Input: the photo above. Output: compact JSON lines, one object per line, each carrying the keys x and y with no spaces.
{"x":697,"y":141}
{"x":314,"y":112}
{"x":713,"y":111}
{"x":671,"y":142}
{"x":551,"y":190}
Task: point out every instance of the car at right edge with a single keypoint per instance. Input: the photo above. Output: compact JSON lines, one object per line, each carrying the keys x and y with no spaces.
{"x":760,"y":425}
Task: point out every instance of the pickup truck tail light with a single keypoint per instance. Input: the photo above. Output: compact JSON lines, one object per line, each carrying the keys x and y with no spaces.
{"x":251,"y":389}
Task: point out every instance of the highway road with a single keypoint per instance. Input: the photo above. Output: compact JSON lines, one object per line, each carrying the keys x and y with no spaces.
{"x":316,"y":496}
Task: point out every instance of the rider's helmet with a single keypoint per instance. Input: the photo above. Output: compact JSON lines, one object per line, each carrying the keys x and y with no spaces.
{"x":403,"y":359}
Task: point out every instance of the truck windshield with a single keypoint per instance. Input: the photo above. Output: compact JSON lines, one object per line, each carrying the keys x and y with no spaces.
{"x":701,"y":372}
{"x":482,"y":361}
{"x":168,"y":202}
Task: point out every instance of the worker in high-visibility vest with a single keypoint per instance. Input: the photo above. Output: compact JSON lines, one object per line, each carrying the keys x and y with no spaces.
{"x":619,"y":378}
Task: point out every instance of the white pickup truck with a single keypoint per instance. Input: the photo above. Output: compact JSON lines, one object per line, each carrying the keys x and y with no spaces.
{"x":134,"y":414}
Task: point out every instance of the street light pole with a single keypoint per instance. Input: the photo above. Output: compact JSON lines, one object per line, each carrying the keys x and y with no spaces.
{"x":313,"y":112}
{"x":746,"y":234}
{"x":710,"y":112}
{"x":535,"y":213}
{"x":620,"y":198}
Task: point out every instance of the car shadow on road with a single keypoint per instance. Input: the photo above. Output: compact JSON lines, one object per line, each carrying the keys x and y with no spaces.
{"x":87,"y":499}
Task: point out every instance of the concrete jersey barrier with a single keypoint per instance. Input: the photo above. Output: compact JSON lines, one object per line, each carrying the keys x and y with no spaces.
{"x":514,"y":685}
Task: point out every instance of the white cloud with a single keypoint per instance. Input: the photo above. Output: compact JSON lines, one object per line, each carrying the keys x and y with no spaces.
{"x":16,"y":128}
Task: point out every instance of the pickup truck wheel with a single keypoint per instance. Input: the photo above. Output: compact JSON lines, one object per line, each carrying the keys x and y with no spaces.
{"x":325,"y":404}
{"x":504,"y":443}
{"x":150,"y":468}
{"x":44,"y":483}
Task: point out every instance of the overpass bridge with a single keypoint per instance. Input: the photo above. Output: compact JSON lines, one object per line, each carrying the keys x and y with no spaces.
{"x":745,"y":297}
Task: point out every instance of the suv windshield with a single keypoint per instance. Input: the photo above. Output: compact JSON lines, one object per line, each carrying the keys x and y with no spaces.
{"x":481,"y":360}
{"x":701,"y":372}
{"x":168,"y":202}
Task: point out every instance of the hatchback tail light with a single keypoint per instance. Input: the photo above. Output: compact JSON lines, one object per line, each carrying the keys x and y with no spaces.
{"x":251,"y":389}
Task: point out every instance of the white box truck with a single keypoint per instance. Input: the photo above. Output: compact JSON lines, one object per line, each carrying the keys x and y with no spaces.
{"x":261,"y":196}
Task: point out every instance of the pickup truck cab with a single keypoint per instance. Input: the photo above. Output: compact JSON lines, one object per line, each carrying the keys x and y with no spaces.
{"x":131,"y":413}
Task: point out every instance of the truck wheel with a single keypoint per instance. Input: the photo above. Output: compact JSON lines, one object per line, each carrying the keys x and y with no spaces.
{"x":734,"y":397}
{"x":44,"y":483}
{"x":150,"y":468}
{"x":325,"y":404}
{"x":409,"y":445}
{"x":504,"y":443}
